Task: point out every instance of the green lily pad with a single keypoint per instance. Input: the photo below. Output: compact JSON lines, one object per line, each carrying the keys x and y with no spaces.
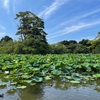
{"x":2,"y":84}
{"x":47,"y":78}
{"x":75,"y":81}
{"x":38,"y":79}
{"x":13,"y":83}
{"x":56,"y":72}
{"x":28,"y":81}
{"x":21,"y":87}
{"x":96,"y":75}
{"x":68,"y":77}
{"x":32,"y":84}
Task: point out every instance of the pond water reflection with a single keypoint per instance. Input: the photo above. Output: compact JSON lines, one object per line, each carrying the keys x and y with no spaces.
{"x":55,"y":90}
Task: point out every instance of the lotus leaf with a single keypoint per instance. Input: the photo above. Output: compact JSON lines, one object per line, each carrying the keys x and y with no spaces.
{"x":21,"y":87}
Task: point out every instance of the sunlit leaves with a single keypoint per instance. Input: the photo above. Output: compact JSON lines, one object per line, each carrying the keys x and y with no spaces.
{"x":21,"y":87}
{"x":32,"y":69}
{"x":38,"y":79}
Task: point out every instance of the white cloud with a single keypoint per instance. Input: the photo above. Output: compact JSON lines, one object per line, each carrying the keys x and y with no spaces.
{"x":89,"y":37}
{"x":75,"y":19}
{"x":2,"y":34}
{"x":52,"y":8}
{"x":9,"y":5}
{"x":2,"y":27}
{"x":14,"y":8}
{"x":6,"y":4}
{"x":86,"y":37}
{"x":73,"y":28}
{"x":81,"y":16}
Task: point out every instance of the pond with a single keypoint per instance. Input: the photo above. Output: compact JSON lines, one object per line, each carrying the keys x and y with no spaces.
{"x":56,"y":89}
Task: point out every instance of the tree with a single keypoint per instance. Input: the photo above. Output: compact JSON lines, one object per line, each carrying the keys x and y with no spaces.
{"x":81,"y":49}
{"x":30,"y":26}
{"x":84,"y":42}
{"x":65,"y":42}
{"x":58,"y":48}
{"x":7,"y":48}
{"x":31,"y":32}
{"x":73,"y":41}
{"x":6,"y":39}
{"x":98,"y":36}
{"x":95,"y":44}
{"x":71,"y":47}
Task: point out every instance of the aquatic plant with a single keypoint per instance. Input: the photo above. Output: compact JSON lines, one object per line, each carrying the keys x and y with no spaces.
{"x":32,"y":69}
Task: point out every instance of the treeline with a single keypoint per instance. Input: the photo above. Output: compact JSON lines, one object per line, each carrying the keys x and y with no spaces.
{"x":10,"y":46}
{"x":72,"y":46}
{"x":33,"y":39}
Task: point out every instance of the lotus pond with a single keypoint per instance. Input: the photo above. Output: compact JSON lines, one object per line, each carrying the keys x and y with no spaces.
{"x":32,"y":71}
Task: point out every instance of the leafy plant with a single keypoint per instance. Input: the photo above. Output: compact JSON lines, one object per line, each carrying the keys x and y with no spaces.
{"x":32,"y":69}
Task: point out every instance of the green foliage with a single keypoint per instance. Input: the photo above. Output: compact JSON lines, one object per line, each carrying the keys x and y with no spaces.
{"x":18,"y":48}
{"x":6,"y":39}
{"x":7,"y":48}
{"x":30,"y":26}
{"x":32,"y":35}
{"x":84,"y":46}
{"x":58,"y":48}
{"x":81,"y":49}
{"x":72,"y":47}
{"x":98,"y":36}
{"x":21,"y":87}
{"x":32,"y":69}
{"x":84,"y":42}
{"x":95,"y":45}
{"x":96,"y":50}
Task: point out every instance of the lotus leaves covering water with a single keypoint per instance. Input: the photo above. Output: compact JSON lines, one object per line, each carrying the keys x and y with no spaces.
{"x":31,"y":69}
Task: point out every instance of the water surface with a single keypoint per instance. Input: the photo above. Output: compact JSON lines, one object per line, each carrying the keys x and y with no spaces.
{"x":55,"y":90}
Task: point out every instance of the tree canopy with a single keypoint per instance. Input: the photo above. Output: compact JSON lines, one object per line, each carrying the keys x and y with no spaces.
{"x":6,"y":39}
{"x":30,"y":26}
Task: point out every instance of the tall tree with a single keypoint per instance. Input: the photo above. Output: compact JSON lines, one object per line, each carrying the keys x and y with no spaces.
{"x":30,"y":26}
{"x":31,"y":31}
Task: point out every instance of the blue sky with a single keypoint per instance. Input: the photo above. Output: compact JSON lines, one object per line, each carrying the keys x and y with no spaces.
{"x":64,"y":19}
